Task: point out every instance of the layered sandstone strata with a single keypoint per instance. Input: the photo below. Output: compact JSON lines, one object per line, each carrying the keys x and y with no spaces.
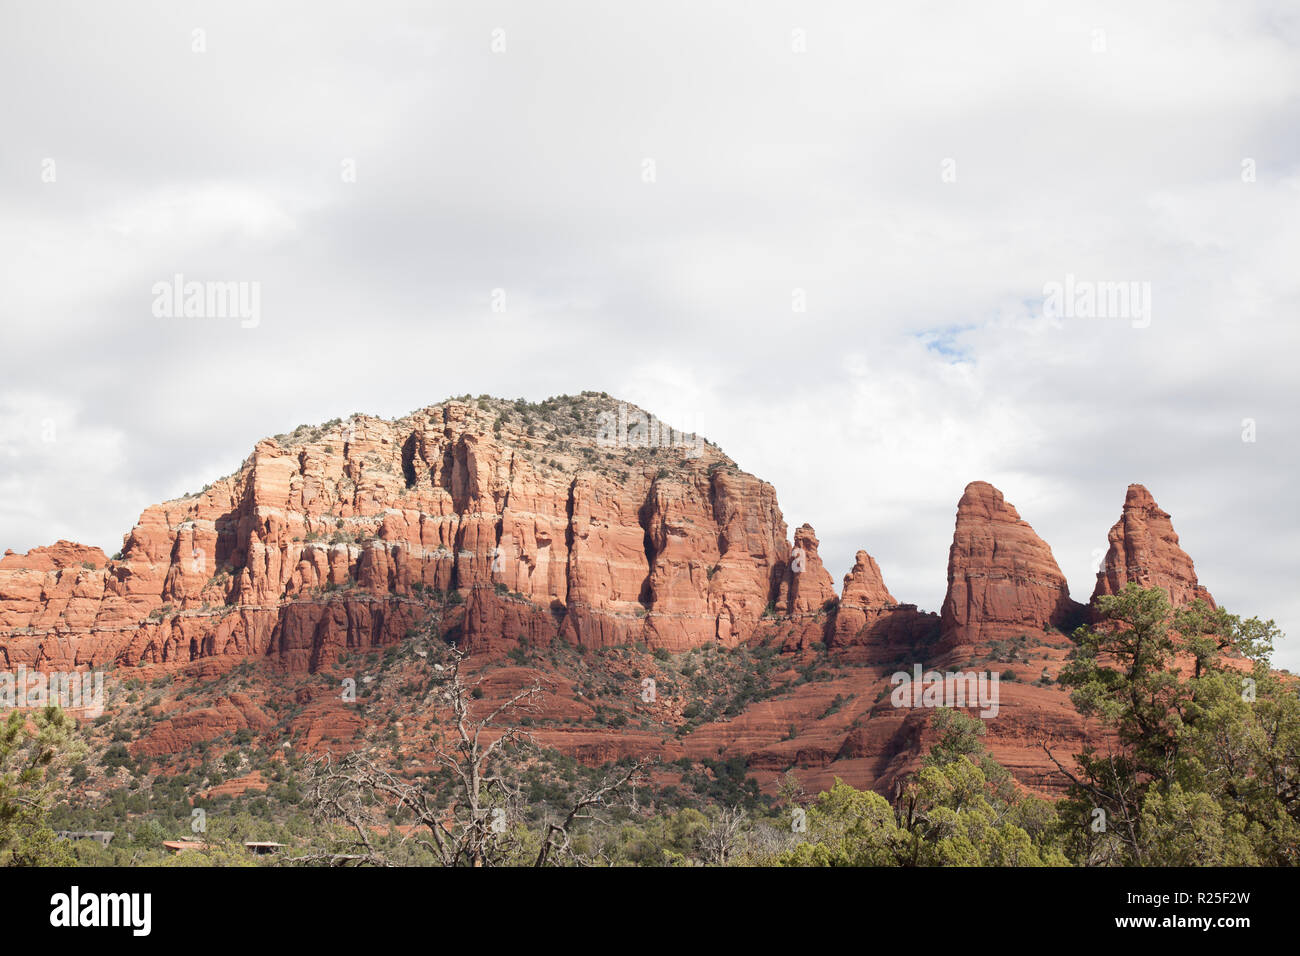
{"x":525,"y":519}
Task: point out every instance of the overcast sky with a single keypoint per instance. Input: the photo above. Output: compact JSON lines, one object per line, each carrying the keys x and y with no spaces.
{"x":656,"y":193}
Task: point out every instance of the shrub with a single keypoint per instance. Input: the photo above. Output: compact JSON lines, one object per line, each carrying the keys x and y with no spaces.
{"x":117,"y":756}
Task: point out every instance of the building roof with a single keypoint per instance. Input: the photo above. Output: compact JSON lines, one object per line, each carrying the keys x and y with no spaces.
{"x":179,"y":846}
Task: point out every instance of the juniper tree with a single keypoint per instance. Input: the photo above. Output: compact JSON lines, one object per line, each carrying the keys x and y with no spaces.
{"x":1204,"y":767}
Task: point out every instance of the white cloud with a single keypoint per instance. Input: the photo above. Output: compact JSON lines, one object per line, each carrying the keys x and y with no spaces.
{"x":922,"y":361}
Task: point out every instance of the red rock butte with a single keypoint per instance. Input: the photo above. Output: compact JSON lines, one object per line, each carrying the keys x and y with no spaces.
{"x":1144,"y":550}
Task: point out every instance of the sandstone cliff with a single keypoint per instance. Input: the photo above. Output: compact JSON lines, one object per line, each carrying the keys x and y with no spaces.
{"x":542,"y":520}
{"x":582,"y":520}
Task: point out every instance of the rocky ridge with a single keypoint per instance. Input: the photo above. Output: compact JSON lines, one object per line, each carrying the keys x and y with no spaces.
{"x":581,"y":520}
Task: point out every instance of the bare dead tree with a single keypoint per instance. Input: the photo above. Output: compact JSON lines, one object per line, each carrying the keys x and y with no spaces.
{"x":557,"y":839}
{"x":351,"y":793}
{"x":763,"y":842}
{"x":721,"y":841}
{"x":341,"y":794}
{"x":474,"y":761}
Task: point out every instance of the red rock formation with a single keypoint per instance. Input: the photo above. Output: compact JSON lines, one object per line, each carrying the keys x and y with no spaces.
{"x":808,"y":583}
{"x":806,"y":593}
{"x":226,"y":715}
{"x":507,"y":526}
{"x":1144,"y":550}
{"x":62,"y":582}
{"x":1002,"y":577}
{"x":868,"y":614}
{"x":336,"y":537}
{"x":61,"y":554}
{"x":238,"y":786}
{"x":864,"y":585}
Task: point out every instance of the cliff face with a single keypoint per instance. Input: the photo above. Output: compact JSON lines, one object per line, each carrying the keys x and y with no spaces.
{"x":1144,"y":550}
{"x":335,"y":537}
{"x":542,"y":521}
{"x":1002,"y":577}
{"x":578,"y":519}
